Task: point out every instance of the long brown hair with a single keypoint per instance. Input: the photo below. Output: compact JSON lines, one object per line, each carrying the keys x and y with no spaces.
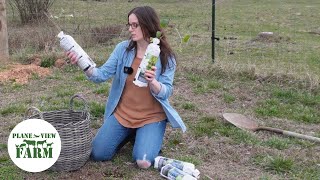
{"x":149,"y":22}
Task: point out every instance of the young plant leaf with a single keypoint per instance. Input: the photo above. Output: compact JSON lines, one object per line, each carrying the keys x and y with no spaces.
{"x":186,"y":38}
{"x":164,"y":23}
{"x":158,"y":35}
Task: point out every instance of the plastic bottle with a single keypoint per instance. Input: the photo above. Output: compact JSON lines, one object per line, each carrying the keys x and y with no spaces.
{"x":149,"y":59}
{"x":186,"y":167}
{"x":172,"y":173}
{"x":69,"y":44}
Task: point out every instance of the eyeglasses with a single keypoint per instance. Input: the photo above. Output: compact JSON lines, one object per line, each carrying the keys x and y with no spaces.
{"x":133,"y":25}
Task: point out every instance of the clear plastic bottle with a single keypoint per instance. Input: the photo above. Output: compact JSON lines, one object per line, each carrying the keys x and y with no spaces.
{"x":186,"y":167}
{"x":172,"y":173}
{"x":149,"y":59}
{"x":69,"y":44}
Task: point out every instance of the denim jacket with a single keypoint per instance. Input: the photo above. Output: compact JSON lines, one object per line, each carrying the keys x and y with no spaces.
{"x":114,"y":67}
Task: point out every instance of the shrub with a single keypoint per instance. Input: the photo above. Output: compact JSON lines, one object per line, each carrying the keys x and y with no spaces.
{"x":31,"y":10}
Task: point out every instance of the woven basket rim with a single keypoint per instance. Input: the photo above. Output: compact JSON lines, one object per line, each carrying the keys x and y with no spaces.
{"x":80,"y":122}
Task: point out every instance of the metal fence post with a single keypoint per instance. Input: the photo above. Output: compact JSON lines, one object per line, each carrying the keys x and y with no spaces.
{"x":213,"y":28}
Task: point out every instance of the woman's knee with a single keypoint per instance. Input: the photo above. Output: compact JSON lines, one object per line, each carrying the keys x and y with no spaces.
{"x":98,"y":155}
{"x":143,"y":164}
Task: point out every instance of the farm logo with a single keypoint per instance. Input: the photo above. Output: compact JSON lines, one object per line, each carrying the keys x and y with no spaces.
{"x":34,"y":145}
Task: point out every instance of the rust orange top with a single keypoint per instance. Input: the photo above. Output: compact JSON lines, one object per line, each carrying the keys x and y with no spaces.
{"x":137,"y":105}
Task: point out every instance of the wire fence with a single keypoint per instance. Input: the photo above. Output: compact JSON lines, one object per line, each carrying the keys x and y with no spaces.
{"x":274,"y":37}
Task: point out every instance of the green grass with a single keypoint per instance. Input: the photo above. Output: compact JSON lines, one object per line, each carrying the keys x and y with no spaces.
{"x":57,"y":75}
{"x":280,"y":164}
{"x":7,"y":169}
{"x":60,"y":100}
{"x":4,"y":159}
{"x":194,"y":78}
{"x":55,"y":104}
{"x":16,"y":86}
{"x":203,"y":85}
{"x":117,"y":173}
{"x":102,"y":89}
{"x":96,"y":109}
{"x":210,"y":126}
{"x":308,"y":172}
{"x":95,"y":125}
{"x":175,"y":140}
{"x":287,"y":166}
{"x":271,"y":80}
{"x":189,"y":106}
{"x":65,"y":91}
{"x":189,"y":158}
{"x":265,"y":177}
{"x":213,"y":84}
{"x":48,"y":61}
{"x":228,"y":98}
{"x":282,"y":20}
{"x":291,"y":104}
{"x":239,"y":136}
{"x":205,"y":127}
{"x":318,"y":134}
{"x":13,"y":109}
{"x":80,"y":77}
{"x":3,"y":146}
{"x":10,"y":172}
{"x":277,"y":164}
{"x":232,"y":20}
{"x":278,"y":143}
{"x":12,"y":87}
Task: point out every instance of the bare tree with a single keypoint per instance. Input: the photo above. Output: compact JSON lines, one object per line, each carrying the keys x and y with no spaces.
{"x":32,"y":10}
{"x":4,"y":51}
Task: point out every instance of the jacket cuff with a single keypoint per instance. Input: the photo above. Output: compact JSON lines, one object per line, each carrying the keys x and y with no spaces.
{"x":161,"y":93}
{"x":93,"y":75}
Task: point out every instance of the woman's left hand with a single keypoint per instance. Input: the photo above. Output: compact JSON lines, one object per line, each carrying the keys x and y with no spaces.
{"x":150,"y":74}
{"x":153,"y":83}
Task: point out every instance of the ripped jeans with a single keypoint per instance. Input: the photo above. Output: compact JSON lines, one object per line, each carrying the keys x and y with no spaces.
{"x":148,"y":140}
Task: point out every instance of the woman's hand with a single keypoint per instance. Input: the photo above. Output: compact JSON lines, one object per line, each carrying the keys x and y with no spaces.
{"x":150,"y":74}
{"x":72,"y":56}
{"x":153,"y":83}
{"x":74,"y":60}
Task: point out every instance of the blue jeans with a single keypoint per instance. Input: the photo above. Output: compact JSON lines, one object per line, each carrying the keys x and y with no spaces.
{"x":148,"y":140}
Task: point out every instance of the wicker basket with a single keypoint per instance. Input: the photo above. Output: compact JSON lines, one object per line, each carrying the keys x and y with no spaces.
{"x":75,"y":134}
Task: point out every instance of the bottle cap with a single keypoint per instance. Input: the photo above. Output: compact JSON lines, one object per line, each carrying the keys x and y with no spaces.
{"x":60,"y":35}
{"x":156,"y":162}
{"x":155,"y":41}
{"x":196,"y":173}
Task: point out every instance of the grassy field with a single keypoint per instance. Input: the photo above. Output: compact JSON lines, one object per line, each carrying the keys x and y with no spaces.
{"x":272,"y":80}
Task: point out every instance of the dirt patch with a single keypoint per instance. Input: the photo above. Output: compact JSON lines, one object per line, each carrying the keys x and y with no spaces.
{"x":270,"y":37}
{"x":316,"y":32}
{"x":22,"y":73}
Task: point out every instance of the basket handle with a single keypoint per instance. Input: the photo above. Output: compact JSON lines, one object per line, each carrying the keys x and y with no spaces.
{"x":33,"y":110}
{"x":80,"y":97}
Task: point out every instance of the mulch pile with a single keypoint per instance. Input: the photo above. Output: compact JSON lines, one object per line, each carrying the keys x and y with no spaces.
{"x":21,"y":74}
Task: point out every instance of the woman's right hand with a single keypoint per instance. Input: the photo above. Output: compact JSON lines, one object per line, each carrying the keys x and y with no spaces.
{"x":72,"y":56}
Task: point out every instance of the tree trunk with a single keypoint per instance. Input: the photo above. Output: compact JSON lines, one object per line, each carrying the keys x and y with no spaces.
{"x":4,"y":48}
